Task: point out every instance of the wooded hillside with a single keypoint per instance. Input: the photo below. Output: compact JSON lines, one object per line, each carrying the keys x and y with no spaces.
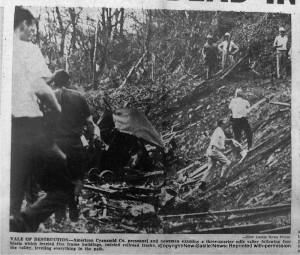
{"x":151,"y":60}
{"x":165,"y":44}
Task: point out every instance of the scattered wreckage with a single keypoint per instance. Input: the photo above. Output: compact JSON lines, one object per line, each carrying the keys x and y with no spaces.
{"x":130,"y":199}
{"x":128,"y":150}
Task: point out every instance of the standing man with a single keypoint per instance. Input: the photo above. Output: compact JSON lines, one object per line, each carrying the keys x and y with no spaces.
{"x":62,"y":184}
{"x":29,"y":87}
{"x":280,"y":44}
{"x":228,"y":49}
{"x":215,"y":150}
{"x":239,"y":108}
{"x":67,"y":132}
{"x":74,"y":116}
{"x":210,"y":56}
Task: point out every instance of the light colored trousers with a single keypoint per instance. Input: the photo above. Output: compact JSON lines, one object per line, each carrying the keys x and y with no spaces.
{"x":230,"y":61}
{"x":213,"y":157}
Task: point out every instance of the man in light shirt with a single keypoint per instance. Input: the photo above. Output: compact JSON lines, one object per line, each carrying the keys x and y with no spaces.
{"x":215,"y":150}
{"x":29,"y":88}
{"x":280,"y":44}
{"x":61,"y":184}
{"x":228,"y":51}
{"x":239,"y":108}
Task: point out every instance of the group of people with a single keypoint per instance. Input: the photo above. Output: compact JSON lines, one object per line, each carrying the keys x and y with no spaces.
{"x":210,"y":52}
{"x":47,"y":126}
{"x":229,"y":49}
{"x":239,"y":107}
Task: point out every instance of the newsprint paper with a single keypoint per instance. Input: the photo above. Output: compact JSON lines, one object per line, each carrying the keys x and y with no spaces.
{"x":183,"y":116}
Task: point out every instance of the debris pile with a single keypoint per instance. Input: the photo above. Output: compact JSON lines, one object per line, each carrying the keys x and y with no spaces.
{"x":254,"y":198}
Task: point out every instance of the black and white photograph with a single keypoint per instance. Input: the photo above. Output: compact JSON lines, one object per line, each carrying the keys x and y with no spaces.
{"x":150,"y":121}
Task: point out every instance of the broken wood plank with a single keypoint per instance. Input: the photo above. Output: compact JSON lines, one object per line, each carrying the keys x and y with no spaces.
{"x":190,"y":181}
{"x":243,"y":229}
{"x":199,"y":174}
{"x":130,"y":73}
{"x":137,"y":190}
{"x":284,"y":110}
{"x":264,"y":123}
{"x":226,"y":213}
{"x":257,"y":73}
{"x":282,"y":230}
{"x":129,"y":229}
{"x":100,"y":190}
{"x":255,"y":216}
{"x":235,"y":183}
{"x":197,"y":171}
{"x":151,"y":174}
{"x":286,"y":191}
{"x":192,"y":191}
{"x":239,"y":199}
{"x":115,"y":194}
{"x":257,"y":104}
{"x":231,"y":69}
{"x":180,"y":227}
{"x":188,"y":167}
{"x":267,"y":140}
{"x":282,"y":104}
{"x":104,"y":201}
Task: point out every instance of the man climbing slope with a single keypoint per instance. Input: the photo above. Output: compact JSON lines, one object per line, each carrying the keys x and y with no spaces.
{"x":215,"y":150}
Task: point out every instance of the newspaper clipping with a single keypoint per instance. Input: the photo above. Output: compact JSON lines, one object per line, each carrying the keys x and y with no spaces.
{"x":148,"y":127}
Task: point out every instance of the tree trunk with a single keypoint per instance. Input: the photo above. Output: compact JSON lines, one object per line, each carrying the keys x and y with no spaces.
{"x":62,"y":31}
{"x":94,"y":57}
{"x":38,"y":30}
{"x":147,"y":42}
{"x":108,"y":23}
{"x":122,"y":21}
{"x":73,"y":22}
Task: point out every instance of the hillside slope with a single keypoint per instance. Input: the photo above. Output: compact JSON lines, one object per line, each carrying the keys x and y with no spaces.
{"x":263,"y":178}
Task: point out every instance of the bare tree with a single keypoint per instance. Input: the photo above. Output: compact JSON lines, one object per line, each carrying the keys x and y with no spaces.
{"x":94,"y":57}
{"x":74,"y":20}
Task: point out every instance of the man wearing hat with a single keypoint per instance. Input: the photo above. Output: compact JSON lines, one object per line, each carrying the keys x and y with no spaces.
{"x":210,"y":56}
{"x":280,"y":44}
{"x":228,"y":49}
